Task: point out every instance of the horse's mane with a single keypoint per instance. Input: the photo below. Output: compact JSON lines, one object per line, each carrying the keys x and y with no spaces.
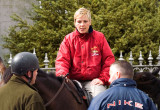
{"x":7,"y":75}
{"x":42,"y":73}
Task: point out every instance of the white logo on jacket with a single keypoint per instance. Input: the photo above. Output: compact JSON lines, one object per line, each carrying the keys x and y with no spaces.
{"x":129,"y":103}
{"x":94,"y":51}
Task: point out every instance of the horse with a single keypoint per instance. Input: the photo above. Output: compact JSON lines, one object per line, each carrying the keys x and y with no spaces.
{"x":150,"y":84}
{"x":68,"y":97}
{"x":58,"y":93}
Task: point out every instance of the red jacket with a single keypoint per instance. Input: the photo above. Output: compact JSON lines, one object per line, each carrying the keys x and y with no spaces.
{"x":84,"y":56}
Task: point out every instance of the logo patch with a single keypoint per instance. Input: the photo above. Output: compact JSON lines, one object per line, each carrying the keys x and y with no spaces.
{"x":94,"y":51}
{"x":125,"y":103}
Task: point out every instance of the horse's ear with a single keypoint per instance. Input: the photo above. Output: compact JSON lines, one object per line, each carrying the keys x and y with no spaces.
{"x":155,"y":72}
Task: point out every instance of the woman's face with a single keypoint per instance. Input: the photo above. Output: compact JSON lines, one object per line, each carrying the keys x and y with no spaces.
{"x":82,"y":24}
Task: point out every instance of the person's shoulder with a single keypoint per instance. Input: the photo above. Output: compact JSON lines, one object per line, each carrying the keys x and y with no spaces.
{"x":27,"y":89}
{"x":2,"y":88}
{"x":33,"y":96}
{"x":103,"y":97}
{"x":70,"y":35}
{"x":103,"y":94}
{"x":31,"y":92}
{"x":98,"y":34}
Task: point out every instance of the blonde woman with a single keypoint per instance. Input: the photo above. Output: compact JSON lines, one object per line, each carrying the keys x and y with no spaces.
{"x":85,"y":54}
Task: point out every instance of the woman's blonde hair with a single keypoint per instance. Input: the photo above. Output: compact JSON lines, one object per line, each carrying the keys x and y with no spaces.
{"x":81,"y":12}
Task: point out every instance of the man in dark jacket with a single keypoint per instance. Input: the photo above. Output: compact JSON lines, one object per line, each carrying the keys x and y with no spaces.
{"x":122,"y":94}
{"x":18,"y":93}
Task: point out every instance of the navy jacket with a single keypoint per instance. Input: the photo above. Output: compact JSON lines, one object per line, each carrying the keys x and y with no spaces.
{"x":122,"y":95}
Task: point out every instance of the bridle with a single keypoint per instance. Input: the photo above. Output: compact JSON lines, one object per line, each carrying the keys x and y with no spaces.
{"x":58,"y":92}
{"x":60,"y":89}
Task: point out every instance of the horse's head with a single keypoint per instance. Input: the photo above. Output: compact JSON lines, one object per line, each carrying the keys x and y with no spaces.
{"x":148,"y":82}
{"x":47,"y":84}
{"x":144,"y":77}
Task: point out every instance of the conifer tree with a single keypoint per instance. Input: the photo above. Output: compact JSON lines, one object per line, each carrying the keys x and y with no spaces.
{"x":51,"y":23}
{"x":128,"y":25}
{"x":132,"y":25}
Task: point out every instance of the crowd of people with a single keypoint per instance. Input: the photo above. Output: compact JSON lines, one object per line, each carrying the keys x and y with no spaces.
{"x":86,"y":55}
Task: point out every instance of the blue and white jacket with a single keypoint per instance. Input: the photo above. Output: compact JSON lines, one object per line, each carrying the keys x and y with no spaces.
{"x":122,"y":95}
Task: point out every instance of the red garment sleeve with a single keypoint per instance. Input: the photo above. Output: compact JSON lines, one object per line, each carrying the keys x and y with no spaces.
{"x":107,"y":60}
{"x":62,"y":63}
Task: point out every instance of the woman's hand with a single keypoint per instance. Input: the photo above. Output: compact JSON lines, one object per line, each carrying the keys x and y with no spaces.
{"x":96,"y":82}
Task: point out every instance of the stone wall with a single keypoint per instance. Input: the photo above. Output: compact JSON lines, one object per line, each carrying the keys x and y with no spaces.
{"x":8,"y":8}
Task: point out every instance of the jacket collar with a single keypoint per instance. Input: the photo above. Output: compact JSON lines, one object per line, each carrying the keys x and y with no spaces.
{"x":123,"y":82}
{"x":17,"y":79}
{"x":85,"y":35}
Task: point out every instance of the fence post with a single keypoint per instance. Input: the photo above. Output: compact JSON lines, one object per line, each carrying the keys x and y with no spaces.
{"x":131,"y":58}
{"x":121,"y":56}
{"x":158,"y":58}
{"x":40,"y":6}
{"x":34,"y":51}
{"x":10,"y":60}
{"x":140,"y":58}
{"x":46,"y":61}
{"x":150,"y":58}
